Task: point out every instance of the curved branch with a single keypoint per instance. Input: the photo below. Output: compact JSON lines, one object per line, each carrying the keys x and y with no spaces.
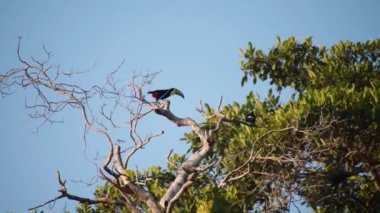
{"x":101,"y":131}
{"x":189,"y":166}
{"x":251,"y":158}
{"x":141,"y":145}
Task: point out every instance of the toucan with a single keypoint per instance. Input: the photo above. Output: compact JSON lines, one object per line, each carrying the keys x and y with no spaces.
{"x":251,"y":118}
{"x":162,"y":94}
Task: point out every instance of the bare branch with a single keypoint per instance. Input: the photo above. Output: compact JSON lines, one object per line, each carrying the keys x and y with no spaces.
{"x":53,"y":94}
{"x":141,"y":145}
{"x":65,"y":194}
{"x":169,"y":160}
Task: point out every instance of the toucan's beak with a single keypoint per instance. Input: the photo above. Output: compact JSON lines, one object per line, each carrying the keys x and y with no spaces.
{"x":178,"y":92}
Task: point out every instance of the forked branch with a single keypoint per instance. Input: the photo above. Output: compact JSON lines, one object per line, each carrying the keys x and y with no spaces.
{"x":66,"y":194}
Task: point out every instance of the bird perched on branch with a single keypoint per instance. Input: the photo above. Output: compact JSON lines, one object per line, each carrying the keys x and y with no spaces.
{"x":165,"y":93}
{"x":251,"y":118}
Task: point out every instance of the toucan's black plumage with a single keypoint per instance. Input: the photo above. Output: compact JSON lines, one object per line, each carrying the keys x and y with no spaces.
{"x":165,"y":93}
{"x":338,"y":175}
{"x":251,"y":118}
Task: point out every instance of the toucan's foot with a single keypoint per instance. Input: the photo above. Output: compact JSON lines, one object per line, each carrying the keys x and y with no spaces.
{"x":166,"y":104}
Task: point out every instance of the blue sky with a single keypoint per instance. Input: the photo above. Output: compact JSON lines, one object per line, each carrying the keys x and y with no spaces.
{"x":193,"y":43}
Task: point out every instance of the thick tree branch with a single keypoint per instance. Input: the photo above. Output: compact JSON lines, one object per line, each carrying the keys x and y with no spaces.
{"x":180,"y":192}
{"x":129,"y":187}
{"x":190,"y":165}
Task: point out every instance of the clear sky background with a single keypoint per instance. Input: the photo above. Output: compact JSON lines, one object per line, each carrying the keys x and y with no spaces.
{"x":194,"y":44}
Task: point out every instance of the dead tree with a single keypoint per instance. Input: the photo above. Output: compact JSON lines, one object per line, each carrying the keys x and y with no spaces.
{"x":54,"y":93}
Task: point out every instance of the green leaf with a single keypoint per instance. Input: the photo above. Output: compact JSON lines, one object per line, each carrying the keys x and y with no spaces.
{"x":357,"y":178}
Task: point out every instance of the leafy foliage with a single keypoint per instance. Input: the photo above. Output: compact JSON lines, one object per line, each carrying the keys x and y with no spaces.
{"x":322,"y":146}
{"x":340,"y":84}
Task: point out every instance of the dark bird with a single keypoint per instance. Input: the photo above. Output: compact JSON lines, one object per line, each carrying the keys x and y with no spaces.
{"x":338,"y":175}
{"x":165,"y":93}
{"x":251,"y":118}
